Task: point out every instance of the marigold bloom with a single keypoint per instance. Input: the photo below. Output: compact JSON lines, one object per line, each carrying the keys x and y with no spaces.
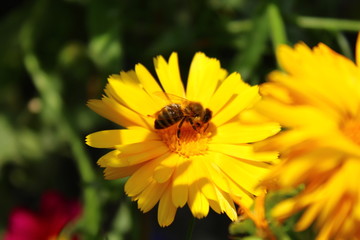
{"x":202,"y":165}
{"x":317,"y":100}
{"x":47,"y":223}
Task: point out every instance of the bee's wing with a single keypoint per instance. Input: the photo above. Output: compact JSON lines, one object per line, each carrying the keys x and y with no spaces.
{"x":170,"y":98}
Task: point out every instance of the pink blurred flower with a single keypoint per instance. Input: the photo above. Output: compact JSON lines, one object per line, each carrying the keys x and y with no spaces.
{"x":54,"y":213}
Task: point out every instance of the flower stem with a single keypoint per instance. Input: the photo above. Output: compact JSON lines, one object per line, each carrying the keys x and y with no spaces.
{"x":277,"y":27}
{"x":190,"y":229}
{"x":344,"y":45}
{"x":277,"y":33}
{"x":53,"y":105}
{"x":328,"y":23}
{"x":54,"y":114}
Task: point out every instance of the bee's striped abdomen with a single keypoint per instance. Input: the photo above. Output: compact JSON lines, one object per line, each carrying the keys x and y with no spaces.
{"x":168,"y":116}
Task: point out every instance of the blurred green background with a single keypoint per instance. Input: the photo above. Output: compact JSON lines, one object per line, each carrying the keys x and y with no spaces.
{"x":57,"y":54}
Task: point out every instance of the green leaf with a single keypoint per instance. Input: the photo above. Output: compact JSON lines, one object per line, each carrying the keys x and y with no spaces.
{"x":247,"y":60}
{"x":105,"y":46}
{"x":8,"y":146}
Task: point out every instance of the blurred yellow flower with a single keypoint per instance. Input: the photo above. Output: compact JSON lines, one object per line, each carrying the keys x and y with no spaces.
{"x":317,"y":100}
{"x":175,"y":154}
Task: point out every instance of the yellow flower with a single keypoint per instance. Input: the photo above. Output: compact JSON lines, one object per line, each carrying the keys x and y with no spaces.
{"x":203,"y":162}
{"x":317,"y":100}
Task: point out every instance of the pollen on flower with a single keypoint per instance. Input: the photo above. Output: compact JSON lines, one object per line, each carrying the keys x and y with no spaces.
{"x":189,"y":143}
{"x":351,"y":129}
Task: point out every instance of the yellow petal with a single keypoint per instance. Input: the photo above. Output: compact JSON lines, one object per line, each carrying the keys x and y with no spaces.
{"x":110,"y":159}
{"x":325,"y":231}
{"x":111,"y":138}
{"x":134,"y":97}
{"x":169,"y":75}
{"x":336,"y":139}
{"x":128,"y":77}
{"x":204,"y":71}
{"x":236,"y":133}
{"x":225,"y":184}
{"x":148,"y":198}
{"x":290,"y":60}
{"x":206,"y":184}
{"x":214,"y":205}
{"x":336,"y":181}
{"x":228,"y":88}
{"x":284,"y":209}
{"x":292,"y":172}
{"x":146,"y":79}
{"x":111,"y":173}
{"x":244,"y":100}
{"x":357,"y":54}
{"x":248,"y":175}
{"x":227,"y":205}
{"x":195,"y":77}
{"x":308,"y":217}
{"x":300,"y":169}
{"x":198,"y":203}
{"x":128,"y":114}
{"x":284,"y":140}
{"x":140,"y":152}
{"x":245,"y":153}
{"x":342,"y":97}
{"x":139,"y":147}
{"x":301,"y":91}
{"x":166,"y":210}
{"x":243,"y":150}
{"x":217,"y":176}
{"x":166,"y":167}
{"x":180,"y":183}
{"x":205,"y":181}
{"x":140,"y":179}
{"x":276,"y":91}
{"x":308,"y":84}
{"x":117,"y":113}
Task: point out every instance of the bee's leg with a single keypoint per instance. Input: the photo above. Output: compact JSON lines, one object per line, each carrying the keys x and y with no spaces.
{"x":207,"y":125}
{"x":192,"y":124}
{"x":179,"y":126}
{"x":195,"y":125}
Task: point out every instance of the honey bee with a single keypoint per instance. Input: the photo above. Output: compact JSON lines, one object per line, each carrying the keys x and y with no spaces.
{"x":183,"y":111}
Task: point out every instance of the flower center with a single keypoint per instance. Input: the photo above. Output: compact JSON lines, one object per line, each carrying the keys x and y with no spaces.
{"x":351,"y":129}
{"x":189,"y":142}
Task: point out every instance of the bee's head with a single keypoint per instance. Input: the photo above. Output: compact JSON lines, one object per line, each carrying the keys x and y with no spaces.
{"x":194,"y":109}
{"x":207,"y":116}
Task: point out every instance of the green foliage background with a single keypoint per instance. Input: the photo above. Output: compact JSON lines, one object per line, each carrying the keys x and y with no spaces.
{"x":57,"y":54}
